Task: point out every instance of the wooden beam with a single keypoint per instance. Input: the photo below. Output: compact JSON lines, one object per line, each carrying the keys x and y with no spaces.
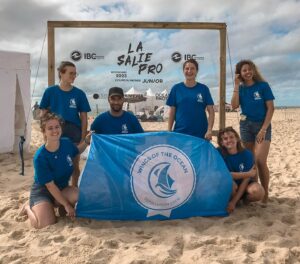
{"x":222,"y":89}
{"x":51,"y":55}
{"x":136,"y":24}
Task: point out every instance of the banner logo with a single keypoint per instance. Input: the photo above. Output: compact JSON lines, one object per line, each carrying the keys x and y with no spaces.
{"x":176,"y":57}
{"x":76,"y":55}
{"x":139,"y":59}
{"x":162,"y":178}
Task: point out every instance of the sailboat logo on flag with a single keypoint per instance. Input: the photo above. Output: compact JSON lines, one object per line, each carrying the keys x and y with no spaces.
{"x":162,"y":178}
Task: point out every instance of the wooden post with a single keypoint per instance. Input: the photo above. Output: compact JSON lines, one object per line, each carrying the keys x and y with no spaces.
{"x":51,"y":55}
{"x":222,"y":89}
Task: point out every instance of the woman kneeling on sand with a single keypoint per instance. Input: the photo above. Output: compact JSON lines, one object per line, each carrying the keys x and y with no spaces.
{"x":240,"y":163}
{"x":53,"y":167}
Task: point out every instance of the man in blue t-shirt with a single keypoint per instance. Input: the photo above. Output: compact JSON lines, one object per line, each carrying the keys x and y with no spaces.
{"x":116,"y":120}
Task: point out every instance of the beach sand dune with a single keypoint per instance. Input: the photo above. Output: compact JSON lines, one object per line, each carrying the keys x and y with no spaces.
{"x":257,"y":233}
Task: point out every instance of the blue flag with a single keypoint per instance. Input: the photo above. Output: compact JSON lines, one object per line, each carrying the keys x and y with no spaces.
{"x":161,"y":175}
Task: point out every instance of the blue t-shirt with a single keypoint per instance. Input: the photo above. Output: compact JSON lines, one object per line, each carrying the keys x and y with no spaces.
{"x":55,"y":166}
{"x":190,"y":104}
{"x":240,"y":162}
{"x":67,"y":105}
{"x":127,"y":123}
{"x":253,"y":100}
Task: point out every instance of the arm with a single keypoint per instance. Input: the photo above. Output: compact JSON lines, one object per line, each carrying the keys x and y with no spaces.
{"x":84,"y":143}
{"x":244,"y":175}
{"x":56,"y":193}
{"x":84,"y":124}
{"x":171,"y":117}
{"x":211,"y":120}
{"x":43,"y":112}
{"x":237,"y":196}
{"x":270,"y":110}
{"x":235,"y":100}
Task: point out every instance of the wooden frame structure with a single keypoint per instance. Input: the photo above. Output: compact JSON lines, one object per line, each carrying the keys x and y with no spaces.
{"x":145,"y":25}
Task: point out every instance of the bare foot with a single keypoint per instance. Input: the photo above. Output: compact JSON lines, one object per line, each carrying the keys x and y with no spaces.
{"x":265,"y":199}
{"x":23,"y":210}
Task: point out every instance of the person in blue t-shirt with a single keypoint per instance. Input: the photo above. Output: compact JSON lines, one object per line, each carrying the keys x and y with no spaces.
{"x":255,"y":97}
{"x":53,"y":167}
{"x":189,"y":101}
{"x":71,"y":104}
{"x":240,"y":163}
{"x":116,"y":120}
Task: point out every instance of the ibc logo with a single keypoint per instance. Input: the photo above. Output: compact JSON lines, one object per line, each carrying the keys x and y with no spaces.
{"x":189,"y":56}
{"x":177,"y":57}
{"x":76,"y":55}
{"x":90,"y":56}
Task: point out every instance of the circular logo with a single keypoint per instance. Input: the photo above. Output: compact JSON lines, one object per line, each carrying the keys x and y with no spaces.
{"x":162,"y":178}
{"x":176,"y":57}
{"x":76,"y":55}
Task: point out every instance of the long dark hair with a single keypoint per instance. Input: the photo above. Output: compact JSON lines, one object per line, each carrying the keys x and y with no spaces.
{"x":226,"y":130}
{"x":257,"y":77}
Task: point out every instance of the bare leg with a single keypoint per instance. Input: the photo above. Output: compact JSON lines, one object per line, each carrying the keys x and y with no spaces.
{"x":71,"y":194}
{"x":261,"y":154}
{"x":255,"y":192}
{"x":40,"y":215}
{"x":76,"y":172}
{"x":250,"y":146}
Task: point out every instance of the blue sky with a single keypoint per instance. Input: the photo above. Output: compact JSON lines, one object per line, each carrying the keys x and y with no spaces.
{"x":266,"y":32}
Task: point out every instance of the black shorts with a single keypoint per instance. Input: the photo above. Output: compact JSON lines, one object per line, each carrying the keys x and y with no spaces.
{"x":71,"y":131}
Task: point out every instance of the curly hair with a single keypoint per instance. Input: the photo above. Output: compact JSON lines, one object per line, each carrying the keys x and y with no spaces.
{"x":257,"y":77}
{"x":49,"y":116}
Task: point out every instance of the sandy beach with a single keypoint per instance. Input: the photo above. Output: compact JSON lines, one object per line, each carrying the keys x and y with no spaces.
{"x":257,"y":233}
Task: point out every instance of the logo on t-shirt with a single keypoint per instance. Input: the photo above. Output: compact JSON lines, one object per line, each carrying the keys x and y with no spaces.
{"x":242,"y":167}
{"x":73,"y":103}
{"x":256,"y":96}
{"x":124,"y":129}
{"x":199,"y":98}
{"x":69,"y":160}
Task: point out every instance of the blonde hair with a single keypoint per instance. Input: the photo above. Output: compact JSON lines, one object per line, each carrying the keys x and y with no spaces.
{"x":257,"y":77}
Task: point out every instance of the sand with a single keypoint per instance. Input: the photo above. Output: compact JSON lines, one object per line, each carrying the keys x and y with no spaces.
{"x":256,"y":233}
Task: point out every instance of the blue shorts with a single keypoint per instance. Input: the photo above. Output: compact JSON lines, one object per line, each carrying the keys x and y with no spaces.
{"x":71,"y":131}
{"x":250,"y":129}
{"x":39,"y":193}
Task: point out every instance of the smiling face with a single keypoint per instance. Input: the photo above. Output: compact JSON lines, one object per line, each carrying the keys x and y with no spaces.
{"x":52,"y":130}
{"x":116,"y":103}
{"x":247,"y":74}
{"x":190,"y":71}
{"x":229,"y":141}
